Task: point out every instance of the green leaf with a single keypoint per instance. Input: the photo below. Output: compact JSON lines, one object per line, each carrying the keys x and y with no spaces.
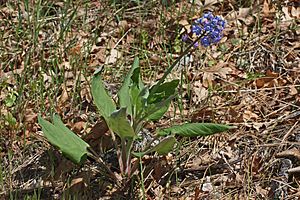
{"x":72,"y":146}
{"x":162,"y":91}
{"x":160,"y":112}
{"x":119,"y":123}
{"x":10,"y":119}
{"x":103,"y":101}
{"x":165,"y":146}
{"x":123,"y":94}
{"x":10,"y":99}
{"x":194,"y":129}
{"x":157,"y":110}
{"x":162,"y":148}
{"x":161,"y":94}
{"x":139,"y":99}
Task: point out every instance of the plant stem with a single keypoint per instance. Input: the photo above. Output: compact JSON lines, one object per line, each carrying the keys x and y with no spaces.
{"x":128,"y":157}
{"x":142,"y":178}
{"x":168,"y":71}
{"x":119,"y":153}
{"x":123,"y":156}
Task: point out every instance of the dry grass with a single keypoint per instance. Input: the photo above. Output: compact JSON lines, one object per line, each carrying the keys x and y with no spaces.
{"x":49,"y":51}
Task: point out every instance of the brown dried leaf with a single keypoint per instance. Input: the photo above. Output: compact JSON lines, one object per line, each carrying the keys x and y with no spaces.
{"x":63,"y":97}
{"x":208,"y":78}
{"x":295,"y":12}
{"x":293,"y":90}
{"x":78,"y":127}
{"x":244,"y":13}
{"x":99,"y":138}
{"x":268,"y":10}
{"x":287,"y":16}
{"x":113,"y":56}
{"x":76,"y":50}
{"x":261,"y":191}
{"x":249,"y":116}
{"x":201,"y":93}
{"x":211,"y":2}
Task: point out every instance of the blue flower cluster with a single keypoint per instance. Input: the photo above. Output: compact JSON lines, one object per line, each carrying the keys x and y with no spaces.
{"x":209,"y":28}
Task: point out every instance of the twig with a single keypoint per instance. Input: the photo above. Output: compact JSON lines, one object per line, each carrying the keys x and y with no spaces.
{"x":256,"y":90}
{"x":289,"y":132}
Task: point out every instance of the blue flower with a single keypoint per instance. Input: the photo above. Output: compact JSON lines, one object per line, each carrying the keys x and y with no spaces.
{"x":205,"y":41}
{"x":185,"y":37}
{"x":196,"y":29}
{"x":196,"y":45}
{"x":210,"y":28}
{"x":208,"y":16}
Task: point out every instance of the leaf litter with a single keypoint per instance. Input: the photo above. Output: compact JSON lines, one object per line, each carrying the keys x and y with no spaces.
{"x":250,"y":80}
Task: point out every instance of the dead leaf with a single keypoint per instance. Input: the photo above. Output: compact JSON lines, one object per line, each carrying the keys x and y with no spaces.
{"x":244,"y":13}
{"x":86,"y":94}
{"x":205,"y":114}
{"x":113,"y":56}
{"x":258,"y":126}
{"x":268,"y":10}
{"x":295,"y":12}
{"x":293,"y":90}
{"x":63,"y":97}
{"x":259,"y":83}
{"x":197,"y":193}
{"x":209,"y":73}
{"x":272,"y":74}
{"x":200,"y":92}
{"x":123,"y":24}
{"x":287,"y":17}
{"x":98,"y":137}
{"x":76,"y":50}
{"x":256,"y":164}
{"x":249,"y":116}
{"x":207,"y":186}
{"x":77,"y":184}
{"x":79,"y":126}
{"x":208,"y":78}
{"x":207,"y":2}
{"x":261,"y":191}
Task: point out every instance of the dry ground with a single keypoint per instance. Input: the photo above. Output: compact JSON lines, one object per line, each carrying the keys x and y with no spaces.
{"x":50,"y":49}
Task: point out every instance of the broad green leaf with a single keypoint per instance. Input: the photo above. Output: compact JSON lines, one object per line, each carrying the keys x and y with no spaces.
{"x":72,"y":146}
{"x":119,"y":123}
{"x":136,"y":79}
{"x":157,"y":110}
{"x":160,"y":112}
{"x":162,"y":91}
{"x":103,"y":101}
{"x":123,"y":94}
{"x":165,"y":146}
{"x":136,"y":76}
{"x":194,"y":129}
{"x":161,"y":94}
{"x":134,"y":96}
{"x":138,"y":98}
{"x":162,"y":148}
